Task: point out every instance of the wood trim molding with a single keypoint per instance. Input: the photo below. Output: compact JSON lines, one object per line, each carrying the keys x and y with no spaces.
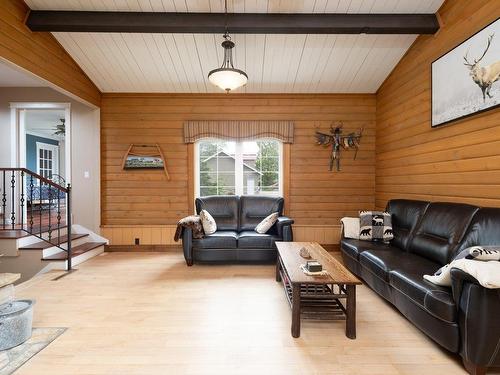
{"x":286,"y":176}
{"x":142,"y":248}
{"x":163,"y":235}
{"x":190,"y":190}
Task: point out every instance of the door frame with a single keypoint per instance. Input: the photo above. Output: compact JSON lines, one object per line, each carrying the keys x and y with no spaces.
{"x":18,"y":132}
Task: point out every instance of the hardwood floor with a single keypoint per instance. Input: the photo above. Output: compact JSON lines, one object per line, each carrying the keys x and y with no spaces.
{"x":148,"y":313}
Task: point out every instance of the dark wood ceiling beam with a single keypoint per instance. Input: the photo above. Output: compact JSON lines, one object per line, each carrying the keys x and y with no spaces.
{"x":237,"y":23}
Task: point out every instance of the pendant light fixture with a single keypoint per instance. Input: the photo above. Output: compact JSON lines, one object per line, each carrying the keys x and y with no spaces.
{"x":227,"y":77}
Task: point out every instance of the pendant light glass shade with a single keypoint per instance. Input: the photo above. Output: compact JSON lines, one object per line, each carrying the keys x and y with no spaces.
{"x":227,"y":77}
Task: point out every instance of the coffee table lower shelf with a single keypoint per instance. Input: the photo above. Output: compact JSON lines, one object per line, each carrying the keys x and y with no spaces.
{"x":319,"y":301}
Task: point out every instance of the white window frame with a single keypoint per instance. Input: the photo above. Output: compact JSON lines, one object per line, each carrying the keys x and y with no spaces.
{"x":55,"y":156}
{"x":238,"y":173}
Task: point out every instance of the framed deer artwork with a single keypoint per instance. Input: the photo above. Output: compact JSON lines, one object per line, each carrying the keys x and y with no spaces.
{"x":466,"y":80}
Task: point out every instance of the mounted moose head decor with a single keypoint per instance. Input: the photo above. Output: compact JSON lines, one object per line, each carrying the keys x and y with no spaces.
{"x":338,"y":141}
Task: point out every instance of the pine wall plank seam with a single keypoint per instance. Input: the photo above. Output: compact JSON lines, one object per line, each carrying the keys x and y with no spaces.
{"x":459,"y":162}
{"x":316,"y":197}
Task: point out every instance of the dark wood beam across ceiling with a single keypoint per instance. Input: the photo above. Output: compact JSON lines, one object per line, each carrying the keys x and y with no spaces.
{"x":237,"y":23}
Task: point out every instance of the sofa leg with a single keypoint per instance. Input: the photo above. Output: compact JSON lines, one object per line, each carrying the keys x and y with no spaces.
{"x":189,"y":262}
{"x":474,"y":369}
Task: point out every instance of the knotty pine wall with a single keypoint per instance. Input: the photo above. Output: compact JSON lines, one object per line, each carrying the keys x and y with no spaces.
{"x":458,"y":162}
{"x":143,"y":204}
{"x":41,"y":54}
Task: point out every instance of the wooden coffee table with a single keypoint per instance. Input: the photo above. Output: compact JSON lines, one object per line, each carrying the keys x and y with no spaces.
{"x":330,"y":297}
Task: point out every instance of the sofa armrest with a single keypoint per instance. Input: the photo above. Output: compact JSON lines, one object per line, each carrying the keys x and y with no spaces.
{"x":284,"y":227}
{"x":187,"y":245}
{"x":478,"y":312}
{"x":458,"y":279}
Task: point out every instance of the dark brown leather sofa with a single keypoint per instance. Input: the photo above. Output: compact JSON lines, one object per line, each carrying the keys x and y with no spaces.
{"x":465,"y":318}
{"x":236,"y":240}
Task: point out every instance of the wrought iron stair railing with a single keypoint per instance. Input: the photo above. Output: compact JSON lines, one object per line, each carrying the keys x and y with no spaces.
{"x":36,"y":205}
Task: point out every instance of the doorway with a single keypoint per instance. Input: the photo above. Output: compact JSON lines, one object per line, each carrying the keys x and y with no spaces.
{"x":43,"y":139}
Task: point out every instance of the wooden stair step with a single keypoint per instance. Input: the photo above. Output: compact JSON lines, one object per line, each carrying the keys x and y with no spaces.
{"x":9,"y":234}
{"x":45,"y":228}
{"x":77,"y":250}
{"x":53,"y":242}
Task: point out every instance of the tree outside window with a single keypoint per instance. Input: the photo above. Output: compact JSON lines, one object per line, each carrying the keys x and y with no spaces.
{"x":248,"y":167}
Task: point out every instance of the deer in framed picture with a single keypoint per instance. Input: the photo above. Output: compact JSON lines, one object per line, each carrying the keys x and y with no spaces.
{"x":466,"y":80}
{"x":484,"y":76}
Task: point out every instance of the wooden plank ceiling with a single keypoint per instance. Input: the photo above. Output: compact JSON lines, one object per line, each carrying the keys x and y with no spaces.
{"x":120,"y":62}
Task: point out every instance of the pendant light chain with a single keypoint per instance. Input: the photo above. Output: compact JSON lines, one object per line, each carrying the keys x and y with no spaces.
{"x":227,"y":77}
{"x":226,"y":32}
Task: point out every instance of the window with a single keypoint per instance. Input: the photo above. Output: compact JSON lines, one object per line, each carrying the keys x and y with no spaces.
{"x":47,"y":159}
{"x":229,"y":168}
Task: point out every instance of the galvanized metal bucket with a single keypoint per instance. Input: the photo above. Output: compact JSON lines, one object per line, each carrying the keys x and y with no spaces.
{"x":16,"y":320}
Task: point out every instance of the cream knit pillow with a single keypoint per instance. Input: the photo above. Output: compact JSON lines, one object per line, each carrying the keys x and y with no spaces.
{"x":267,"y":223}
{"x":208,"y":222}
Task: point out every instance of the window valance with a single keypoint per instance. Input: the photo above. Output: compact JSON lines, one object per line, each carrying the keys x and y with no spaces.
{"x":238,"y":130}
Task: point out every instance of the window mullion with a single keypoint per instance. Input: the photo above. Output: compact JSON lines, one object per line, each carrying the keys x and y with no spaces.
{"x":238,"y":168}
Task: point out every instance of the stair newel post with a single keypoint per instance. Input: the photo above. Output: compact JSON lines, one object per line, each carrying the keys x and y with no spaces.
{"x":68,"y":223}
{"x":13,"y":200}
{"x":31,"y":203}
{"x":58,"y":217}
{"x":49,"y":228}
{"x":4,"y":201}
{"x":40,"y":206}
{"x":22,"y":200}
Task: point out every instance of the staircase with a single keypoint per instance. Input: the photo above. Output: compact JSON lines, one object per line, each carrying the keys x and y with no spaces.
{"x":36,"y":230}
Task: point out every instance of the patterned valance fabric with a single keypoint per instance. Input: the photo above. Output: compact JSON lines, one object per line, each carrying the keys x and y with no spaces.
{"x":238,"y":130}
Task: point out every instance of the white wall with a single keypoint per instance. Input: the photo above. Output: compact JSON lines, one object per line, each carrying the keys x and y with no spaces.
{"x":85,"y":153}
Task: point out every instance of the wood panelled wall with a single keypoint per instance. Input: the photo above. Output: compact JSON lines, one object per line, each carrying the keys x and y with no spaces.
{"x":145,"y":204}
{"x":459,"y":162}
{"x":41,"y":54}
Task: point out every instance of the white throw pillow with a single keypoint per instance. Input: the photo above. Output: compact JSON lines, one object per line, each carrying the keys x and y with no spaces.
{"x":267,"y":223}
{"x":208,"y":222}
{"x":351,"y":227}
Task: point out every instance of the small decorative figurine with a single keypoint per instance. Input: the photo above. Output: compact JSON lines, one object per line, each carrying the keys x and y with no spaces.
{"x":338,"y":142}
{"x":304,"y":253}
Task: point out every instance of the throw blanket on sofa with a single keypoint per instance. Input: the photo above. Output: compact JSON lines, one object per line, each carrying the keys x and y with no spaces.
{"x":481,"y":262}
{"x":193,"y":222}
{"x":350,"y":227}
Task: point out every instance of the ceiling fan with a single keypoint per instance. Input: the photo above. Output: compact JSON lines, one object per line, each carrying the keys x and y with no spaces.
{"x":58,"y":129}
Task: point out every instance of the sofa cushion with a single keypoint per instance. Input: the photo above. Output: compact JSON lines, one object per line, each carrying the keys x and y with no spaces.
{"x":218,"y":240}
{"x":405,"y":214}
{"x":441,"y":229}
{"x":208,"y":222}
{"x":354,"y":247}
{"x":436,"y":300}
{"x":381,"y":262}
{"x":254,"y":240}
{"x":254,"y":209}
{"x":483,"y":230}
{"x":267,"y":223}
{"x":223,"y":208}
{"x":375,"y":226}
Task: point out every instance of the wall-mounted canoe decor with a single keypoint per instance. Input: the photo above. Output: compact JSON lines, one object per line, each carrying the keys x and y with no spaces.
{"x":145,"y":156}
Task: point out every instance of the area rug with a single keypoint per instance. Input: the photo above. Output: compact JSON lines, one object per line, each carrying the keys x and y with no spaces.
{"x":12,"y":359}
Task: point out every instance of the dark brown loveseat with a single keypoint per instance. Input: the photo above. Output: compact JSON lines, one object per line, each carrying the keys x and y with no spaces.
{"x":464,"y":318}
{"x":235,"y":239}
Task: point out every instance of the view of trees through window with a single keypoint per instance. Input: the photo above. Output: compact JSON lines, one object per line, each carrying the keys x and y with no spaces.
{"x":228,"y":168}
